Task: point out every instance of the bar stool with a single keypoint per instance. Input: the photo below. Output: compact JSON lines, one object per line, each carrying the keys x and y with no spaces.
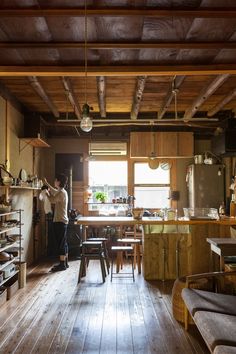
{"x":118,"y":250}
{"x":135,"y":242}
{"x":104,"y":244}
{"x":90,"y":251}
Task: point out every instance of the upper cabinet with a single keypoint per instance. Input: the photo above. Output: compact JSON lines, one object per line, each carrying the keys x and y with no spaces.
{"x":162,"y":144}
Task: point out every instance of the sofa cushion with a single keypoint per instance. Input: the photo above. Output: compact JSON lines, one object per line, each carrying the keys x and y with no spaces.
{"x":216,"y":328}
{"x":224,"y":349}
{"x":201,"y":300}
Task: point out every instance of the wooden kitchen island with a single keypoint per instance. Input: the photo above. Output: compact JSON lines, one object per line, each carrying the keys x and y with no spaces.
{"x":171,"y":248}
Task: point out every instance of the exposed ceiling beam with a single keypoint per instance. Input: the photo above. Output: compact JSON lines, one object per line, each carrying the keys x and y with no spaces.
{"x":222,"y":103}
{"x":71,"y":96}
{"x":41,"y":92}
{"x":101,"y":90}
{"x":149,"y":70}
{"x":140,"y":84}
{"x":204,"y":95}
{"x":120,"y":45}
{"x":170,"y":95}
{"x":204,"y":12}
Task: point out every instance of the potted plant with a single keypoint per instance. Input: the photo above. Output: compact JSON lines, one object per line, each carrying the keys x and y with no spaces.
{"x":101,"y":196}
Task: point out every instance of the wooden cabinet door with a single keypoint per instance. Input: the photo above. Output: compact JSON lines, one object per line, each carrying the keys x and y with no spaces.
{"x":185,"y":144}
{"x":166,"y":144}
{"x":140,"y":144}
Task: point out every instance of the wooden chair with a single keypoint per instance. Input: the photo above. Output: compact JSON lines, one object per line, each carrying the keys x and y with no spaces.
{"x":92,"y":250}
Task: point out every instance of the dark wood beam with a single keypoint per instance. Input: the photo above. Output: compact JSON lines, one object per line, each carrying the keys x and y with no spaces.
{"x":7,"y":95}
{"x":71,"y":96}
{"x":169,"y":96}
{"x":204,"y":95}
{"x":125,"y":70}
{"x":204,"y":12}
{"x":222,"y":103}
{"x":119,"y":45}
{"x":41,"y":92}
{"x":101,"y":90}
{"x":140,"y":84}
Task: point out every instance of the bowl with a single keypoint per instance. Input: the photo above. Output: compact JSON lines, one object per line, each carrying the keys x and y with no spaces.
{"x":7,"y":181}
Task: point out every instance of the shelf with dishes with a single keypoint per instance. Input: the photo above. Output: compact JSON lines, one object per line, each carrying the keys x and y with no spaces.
{"x":10,"y":249}
{"x":20,"y":187}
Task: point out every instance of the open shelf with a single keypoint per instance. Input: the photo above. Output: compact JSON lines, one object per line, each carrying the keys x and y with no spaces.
{"x":11,"y":276}
{"x":35,"y":142}
{"x":4,"y":265}
{"x":24,"y":187}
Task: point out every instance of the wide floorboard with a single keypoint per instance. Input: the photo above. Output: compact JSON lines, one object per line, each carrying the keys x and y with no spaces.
{"x":53,"y":314}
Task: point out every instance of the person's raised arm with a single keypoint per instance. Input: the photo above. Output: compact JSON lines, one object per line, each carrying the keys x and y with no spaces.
{"x":52,"y":189}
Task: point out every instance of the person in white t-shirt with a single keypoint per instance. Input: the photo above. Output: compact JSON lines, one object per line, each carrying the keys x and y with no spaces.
{"x":59,"y":197}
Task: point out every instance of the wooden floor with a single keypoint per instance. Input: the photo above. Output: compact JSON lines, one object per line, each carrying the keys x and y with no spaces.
{"x":53,"y":314}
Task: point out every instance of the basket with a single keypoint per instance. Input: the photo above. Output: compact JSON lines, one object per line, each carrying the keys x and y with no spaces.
{"x":177,"y":301}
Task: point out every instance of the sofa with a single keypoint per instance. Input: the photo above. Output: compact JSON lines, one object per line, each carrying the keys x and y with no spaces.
{"x":214,"y":313}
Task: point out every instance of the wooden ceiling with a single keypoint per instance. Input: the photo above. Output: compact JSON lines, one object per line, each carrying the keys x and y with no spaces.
{"x":171,"y":62}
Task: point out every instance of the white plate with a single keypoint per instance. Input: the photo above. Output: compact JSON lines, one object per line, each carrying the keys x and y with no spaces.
{"x":23,"y":175}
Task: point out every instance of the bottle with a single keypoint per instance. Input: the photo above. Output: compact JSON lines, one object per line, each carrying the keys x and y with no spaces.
{"x":232,"y":206}
{"x":222,"y":209}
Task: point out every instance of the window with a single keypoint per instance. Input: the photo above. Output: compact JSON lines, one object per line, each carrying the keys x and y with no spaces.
{"x":151,"y":187}
{"x":109,"y":177}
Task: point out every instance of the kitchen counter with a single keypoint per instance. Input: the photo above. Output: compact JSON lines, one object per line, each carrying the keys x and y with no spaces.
{"x":171,"y":248}
{"x":125,"y":220}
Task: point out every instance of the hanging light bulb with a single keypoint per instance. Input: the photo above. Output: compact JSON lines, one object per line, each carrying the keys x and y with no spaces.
{"x":86,"y":123}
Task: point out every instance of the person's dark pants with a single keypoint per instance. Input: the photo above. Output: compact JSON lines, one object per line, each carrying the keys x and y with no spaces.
{"x":61,"y":237}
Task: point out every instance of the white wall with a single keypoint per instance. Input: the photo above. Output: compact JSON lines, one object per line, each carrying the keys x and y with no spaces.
{"x":19,"y":156}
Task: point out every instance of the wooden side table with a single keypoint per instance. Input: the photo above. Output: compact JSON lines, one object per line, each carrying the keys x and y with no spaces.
{"x":222,"y":247}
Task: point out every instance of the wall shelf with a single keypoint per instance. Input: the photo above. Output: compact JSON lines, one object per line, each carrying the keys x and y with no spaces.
{"x":21,"y":187}
{"x":25,"y":187}
{"x":35,"y":142}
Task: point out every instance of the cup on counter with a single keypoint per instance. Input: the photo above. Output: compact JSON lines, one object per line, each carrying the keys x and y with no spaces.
{"x":170,"y":214}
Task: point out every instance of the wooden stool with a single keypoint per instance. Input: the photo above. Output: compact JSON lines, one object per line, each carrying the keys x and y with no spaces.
{"x":119,"y":255}
{"x":104,"y":244}
{"x":91,"y":250}
{"x":136,"y":243}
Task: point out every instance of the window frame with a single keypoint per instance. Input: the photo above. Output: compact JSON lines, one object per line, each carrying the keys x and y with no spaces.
{"x":172,"y":184}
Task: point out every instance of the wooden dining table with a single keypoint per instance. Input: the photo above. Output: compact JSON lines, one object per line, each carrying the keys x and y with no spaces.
{"x":222,"y":247}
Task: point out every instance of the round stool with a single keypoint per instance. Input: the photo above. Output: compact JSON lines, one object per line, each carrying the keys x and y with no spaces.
{"x":177,"y":301}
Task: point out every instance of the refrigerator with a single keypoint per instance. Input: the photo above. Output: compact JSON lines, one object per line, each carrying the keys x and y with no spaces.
{"x":205,"y":184}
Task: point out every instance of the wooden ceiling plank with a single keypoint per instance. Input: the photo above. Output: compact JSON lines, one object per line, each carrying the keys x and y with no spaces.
{"x":117,"y":45}
{"x":222,"y":103}
{"x":124,"y":70}
{"x":71,"y":96}
{"x":204,"y":12}
{"x":140,"y":84}
{"x":205,"y":94}
{"x":170,"y":95}
{"x":41,"y":92}
{"x":101,"y":92}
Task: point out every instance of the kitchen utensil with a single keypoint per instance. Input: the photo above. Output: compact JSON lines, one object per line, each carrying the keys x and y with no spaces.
{"x":198,"y":159}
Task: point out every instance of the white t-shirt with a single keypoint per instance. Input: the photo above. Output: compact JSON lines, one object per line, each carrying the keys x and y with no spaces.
{"x":46,"y":202}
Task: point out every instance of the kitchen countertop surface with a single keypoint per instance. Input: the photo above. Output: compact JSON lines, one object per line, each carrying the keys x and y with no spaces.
{"x":119,"y":220}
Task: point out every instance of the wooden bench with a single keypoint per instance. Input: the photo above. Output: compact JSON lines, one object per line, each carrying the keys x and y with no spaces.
{"x":213,"y":313}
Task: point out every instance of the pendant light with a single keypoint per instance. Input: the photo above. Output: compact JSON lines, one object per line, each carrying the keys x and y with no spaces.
{"x":175,"y":92}
{"x":153,"y":162}
{"x":86,"y":123}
